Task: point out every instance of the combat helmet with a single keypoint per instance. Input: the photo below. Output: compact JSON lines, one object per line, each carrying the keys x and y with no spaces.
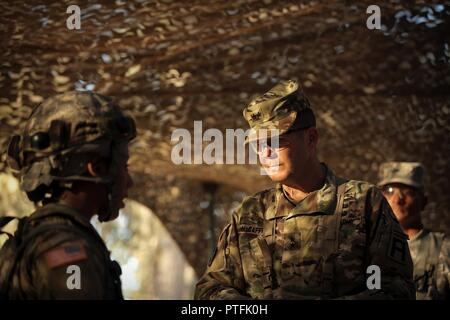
{"x":61,"y":135}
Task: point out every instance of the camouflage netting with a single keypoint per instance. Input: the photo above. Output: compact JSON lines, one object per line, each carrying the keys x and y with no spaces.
{"x":378,"y":94}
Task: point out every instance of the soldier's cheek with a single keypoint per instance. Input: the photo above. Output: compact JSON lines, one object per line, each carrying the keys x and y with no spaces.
{"x":399,"y":210}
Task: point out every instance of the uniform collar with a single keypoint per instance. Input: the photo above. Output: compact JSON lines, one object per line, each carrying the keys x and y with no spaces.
{"x":65,"y":209}
{"x":419,"y":235}
{"x":321,"y":201}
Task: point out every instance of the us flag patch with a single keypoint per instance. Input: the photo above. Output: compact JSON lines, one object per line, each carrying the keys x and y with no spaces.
{"x":64,"y":254}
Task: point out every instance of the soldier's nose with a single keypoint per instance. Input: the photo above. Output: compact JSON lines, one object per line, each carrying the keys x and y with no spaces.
{"x":267,"y":152}
{"x":399,"y":199}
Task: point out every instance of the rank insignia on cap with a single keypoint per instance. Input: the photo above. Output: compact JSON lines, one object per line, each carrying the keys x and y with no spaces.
{"x":64,"y":254}
{"x":256,"y":116}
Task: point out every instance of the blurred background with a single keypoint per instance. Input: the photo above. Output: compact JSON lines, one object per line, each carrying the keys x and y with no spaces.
{"x":379,"y":95}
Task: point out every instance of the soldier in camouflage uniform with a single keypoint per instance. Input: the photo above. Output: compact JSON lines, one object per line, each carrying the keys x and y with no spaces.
{"x":314,"y":234}
{"x":402,"y":185}
{"x":72,"y":162}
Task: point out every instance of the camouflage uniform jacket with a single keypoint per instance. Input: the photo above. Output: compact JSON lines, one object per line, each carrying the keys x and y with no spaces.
{"x":430,"y":252}
{"x":54,"y":238}
{"x":319,"y":248}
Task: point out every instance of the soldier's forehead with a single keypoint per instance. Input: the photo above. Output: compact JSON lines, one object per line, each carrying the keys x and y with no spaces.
{"x":399,"y":185}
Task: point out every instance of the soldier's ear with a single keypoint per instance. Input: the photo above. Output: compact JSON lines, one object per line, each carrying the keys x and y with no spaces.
{"x":96,"y":168}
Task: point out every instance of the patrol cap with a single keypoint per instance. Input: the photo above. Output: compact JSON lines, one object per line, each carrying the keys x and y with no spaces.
{"x":278,"y":109}
{"x":407,"y":173}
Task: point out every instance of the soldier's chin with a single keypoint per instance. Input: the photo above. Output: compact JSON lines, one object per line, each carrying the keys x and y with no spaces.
{"x":109,"y":215}
{"x":408,"y":220}
{"x":275,"y":173}
{"x":400,"y":214}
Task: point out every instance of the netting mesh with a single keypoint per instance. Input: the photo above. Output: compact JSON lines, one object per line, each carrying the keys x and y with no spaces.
{"x":378,"y":94}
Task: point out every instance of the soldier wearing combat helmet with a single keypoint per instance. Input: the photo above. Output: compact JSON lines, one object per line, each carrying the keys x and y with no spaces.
{"x":72,"y":162}
{"x":403,"y":186}
{"x":314,"y":234}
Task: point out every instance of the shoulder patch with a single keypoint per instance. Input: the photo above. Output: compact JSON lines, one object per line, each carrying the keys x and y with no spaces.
{"x":210,"y":261}
{"x":64,"y":254}
{"x":220,"y":243}
{"x":397,"y":247}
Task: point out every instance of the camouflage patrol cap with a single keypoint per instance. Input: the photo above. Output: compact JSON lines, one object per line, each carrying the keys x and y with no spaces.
{"x":408,"y":173}
{"x":278,"y":109}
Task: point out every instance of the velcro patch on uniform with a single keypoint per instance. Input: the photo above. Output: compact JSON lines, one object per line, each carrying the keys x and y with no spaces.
{"x":69,"y":252}
{"x":243,"y":228}
{"x":397,"y":247}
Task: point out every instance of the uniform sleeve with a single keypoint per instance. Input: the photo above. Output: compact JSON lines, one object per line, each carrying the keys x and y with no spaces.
{"x":69,"y":270}
{"x":224,"y":277}
{"x":443,"y":270}
{"x":388,"y":249}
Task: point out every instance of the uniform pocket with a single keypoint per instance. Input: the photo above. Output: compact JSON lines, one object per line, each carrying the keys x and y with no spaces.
{"x":256,"y":260}
{"x":291,"y":255}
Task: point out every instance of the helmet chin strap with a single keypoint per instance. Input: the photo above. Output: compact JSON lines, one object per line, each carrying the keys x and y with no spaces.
{"x":111,"y":211}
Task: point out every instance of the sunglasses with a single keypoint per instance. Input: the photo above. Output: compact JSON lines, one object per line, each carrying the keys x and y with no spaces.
{"x":276,"y":143}
{"x":403,"y":192}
